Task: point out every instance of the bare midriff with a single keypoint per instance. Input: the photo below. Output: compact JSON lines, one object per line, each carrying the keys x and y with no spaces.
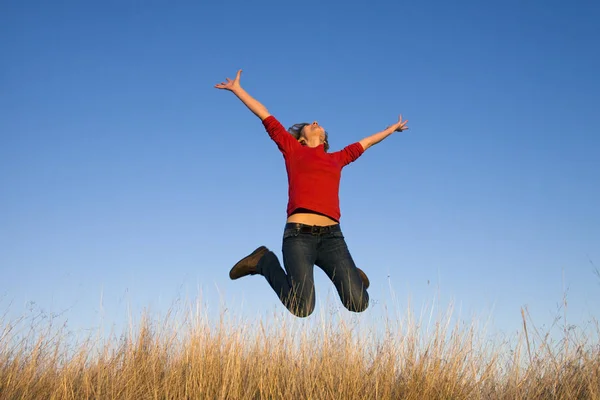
{"x":311,"y":219}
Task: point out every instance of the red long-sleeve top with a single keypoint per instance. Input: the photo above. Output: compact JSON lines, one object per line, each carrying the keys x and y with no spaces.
{"x":313,"y":174}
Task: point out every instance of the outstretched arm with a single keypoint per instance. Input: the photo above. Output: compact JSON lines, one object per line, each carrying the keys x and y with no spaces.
{"x":253,"y":105}
{"x":379,"y":136}
{"x":276,"y":131}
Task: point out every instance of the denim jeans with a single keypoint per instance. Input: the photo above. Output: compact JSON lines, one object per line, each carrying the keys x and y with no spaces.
{"x":302,"y":250}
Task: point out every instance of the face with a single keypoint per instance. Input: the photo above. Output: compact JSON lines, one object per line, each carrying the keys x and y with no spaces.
{"x":313,"y":130}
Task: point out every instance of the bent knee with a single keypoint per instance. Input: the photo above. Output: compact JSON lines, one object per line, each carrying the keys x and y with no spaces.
{"x":358,"y":303}
{"x":301,"y":306}
{"x":302,"y":310}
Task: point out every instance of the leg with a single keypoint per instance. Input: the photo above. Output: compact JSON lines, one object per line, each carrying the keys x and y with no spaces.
{"x":296,"y":289}
{"x":335,"y":259}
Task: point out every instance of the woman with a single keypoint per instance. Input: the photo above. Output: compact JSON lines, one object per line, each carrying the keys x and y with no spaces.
{"x":312,"y":234}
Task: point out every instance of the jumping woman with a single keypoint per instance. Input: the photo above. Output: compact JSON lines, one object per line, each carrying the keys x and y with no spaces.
{"x":312,"y":234}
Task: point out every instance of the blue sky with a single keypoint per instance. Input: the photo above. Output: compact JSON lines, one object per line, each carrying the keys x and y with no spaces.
{"x":128,"y":180}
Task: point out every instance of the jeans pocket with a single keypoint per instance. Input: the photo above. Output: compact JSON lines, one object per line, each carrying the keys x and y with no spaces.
{"x":288,"y":233}
{"x":337,"y":235}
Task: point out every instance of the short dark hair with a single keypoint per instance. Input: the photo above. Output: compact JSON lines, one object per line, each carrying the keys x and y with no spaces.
{"x":296,"y":131}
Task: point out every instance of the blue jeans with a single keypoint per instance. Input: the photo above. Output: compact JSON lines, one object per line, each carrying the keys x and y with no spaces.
{"x":304,"y":247}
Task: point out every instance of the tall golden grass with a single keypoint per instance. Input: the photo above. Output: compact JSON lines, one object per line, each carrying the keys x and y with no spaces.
{"x":185,"y":355}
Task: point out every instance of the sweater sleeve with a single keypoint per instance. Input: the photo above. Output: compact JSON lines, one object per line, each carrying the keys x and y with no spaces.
{"x":284,"y":140}
{"x":349,"y":153}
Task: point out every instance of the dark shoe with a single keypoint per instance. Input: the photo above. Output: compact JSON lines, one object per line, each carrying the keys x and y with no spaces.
{"x":248,"y":264}
{"x":364,"y":278}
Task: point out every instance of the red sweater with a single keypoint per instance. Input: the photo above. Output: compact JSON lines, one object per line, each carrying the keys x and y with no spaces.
{"x":313,"y":174}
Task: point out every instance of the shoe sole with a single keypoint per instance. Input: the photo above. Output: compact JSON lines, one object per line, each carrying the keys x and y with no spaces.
{"x":255,"y":252}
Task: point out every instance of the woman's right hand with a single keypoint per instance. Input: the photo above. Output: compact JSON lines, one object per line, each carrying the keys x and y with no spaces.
{"x":230,"y":85}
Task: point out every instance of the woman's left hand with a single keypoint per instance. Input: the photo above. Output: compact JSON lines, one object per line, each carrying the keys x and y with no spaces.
{"x":400,"y":125}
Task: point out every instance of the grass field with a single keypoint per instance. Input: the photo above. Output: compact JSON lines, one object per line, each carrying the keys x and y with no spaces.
{"x":184,"y":355}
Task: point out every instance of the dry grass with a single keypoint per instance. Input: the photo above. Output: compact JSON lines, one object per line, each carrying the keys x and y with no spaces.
{"x":189,"y":357}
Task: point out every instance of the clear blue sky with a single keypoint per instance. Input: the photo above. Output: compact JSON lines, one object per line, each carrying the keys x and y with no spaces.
{"x":125,"y":176}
